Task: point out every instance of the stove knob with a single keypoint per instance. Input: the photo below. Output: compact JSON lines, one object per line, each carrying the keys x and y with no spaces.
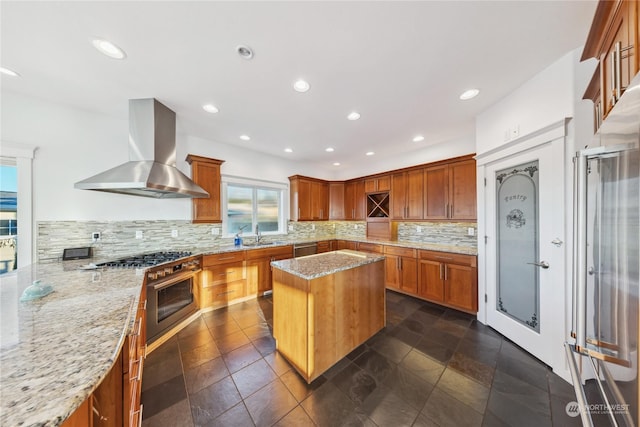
{"x":160,"y":273}
{"x":168,"y":270}
{"x":152,"y":276}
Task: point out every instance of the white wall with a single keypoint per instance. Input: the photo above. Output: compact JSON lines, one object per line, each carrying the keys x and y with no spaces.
{"x":544,"y":99}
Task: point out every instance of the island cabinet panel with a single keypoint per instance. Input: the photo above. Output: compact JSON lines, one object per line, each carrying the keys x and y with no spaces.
{"x":449,"y":279}
{"x":83,"y":416}
{"x":206,"y":173}
{"x":317,"y":322}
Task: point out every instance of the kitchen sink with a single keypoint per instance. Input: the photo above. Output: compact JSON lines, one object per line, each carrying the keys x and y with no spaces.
{"x":254,"y":244}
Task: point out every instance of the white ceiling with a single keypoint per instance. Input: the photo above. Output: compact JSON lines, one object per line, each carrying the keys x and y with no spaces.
{"x":401,"y":65}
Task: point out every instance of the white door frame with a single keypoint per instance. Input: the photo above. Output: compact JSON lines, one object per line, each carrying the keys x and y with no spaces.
{"x":554,"y":133}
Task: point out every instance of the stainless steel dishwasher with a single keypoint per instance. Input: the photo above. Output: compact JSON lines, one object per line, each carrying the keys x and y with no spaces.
{"x":303,"y":249}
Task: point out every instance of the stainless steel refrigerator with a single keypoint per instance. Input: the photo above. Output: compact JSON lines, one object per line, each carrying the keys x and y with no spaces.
{"x":603,"y":351}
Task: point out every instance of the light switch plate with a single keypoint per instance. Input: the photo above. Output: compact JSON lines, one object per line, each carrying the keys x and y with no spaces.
{"x":471,"y":231}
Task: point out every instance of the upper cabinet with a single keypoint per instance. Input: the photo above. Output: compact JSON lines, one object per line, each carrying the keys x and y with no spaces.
{"x":450,"y":191}
{"x":612,"y":40}
{"x":377,"y":184}
{"x":206,"y":173}
{"x":407,"y":195}
{"x":355,"y":206}
{"x":309,"y":199}
{"x":336,"y":200}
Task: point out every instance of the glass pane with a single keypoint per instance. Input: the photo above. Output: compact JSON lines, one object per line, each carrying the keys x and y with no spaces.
{"x":174,"y":298}
{"x":8,"y":218}
{"x":239,"y":208}
{"x":518,"y":293}
{"x":268,"y":209}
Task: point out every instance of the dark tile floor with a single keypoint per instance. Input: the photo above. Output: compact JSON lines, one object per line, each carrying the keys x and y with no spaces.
{"x":430,"y":366}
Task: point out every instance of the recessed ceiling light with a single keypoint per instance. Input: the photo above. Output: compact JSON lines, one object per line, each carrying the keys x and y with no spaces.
{"x":245,"y":137}
{"x":301,"y":86}
{"x":328,"y":149}
{"x":468,"y":94}
{"x":210,"y":108}
{"x":288,"y":150}
{"x":336,"y":164}
{"x":418,"y":138}
{"x":8,"y":72}
{"x":370,"y":153}
{"x":107,"y":48}
{"x":353,"y":115}
{"x":244,"y":51}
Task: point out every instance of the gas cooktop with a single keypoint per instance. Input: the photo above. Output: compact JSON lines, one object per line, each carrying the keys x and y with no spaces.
{"x":146,"y":260}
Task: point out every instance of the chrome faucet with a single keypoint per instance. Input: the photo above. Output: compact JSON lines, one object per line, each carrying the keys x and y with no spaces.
{"x":258,"y":235}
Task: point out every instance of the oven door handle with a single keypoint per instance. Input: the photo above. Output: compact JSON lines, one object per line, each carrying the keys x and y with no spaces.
{"x":172,"y":280}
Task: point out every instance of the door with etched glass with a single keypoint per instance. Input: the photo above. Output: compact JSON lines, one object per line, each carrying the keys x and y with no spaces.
{"x":525,"y":249}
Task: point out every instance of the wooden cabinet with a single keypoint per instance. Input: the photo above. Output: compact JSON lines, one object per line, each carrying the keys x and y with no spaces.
{"x":206,"y":173}
{"x":345,"y":244}
{"x":449,"y":279}
{"x":116,"y":400}
{"x":259,"y":273}
{"x":401,"y":269}
{"x":450,"y":191}
{"x":612,"y":40}
{"x":309,"y":199}
{"x":377,"y":184}
{"x":355,"y":200}
{"x":223,"y":279}
{"x":325,"y":246}
{"x":407,"y":194}
{"x":336,"y":201}
{"x":375,"y":248}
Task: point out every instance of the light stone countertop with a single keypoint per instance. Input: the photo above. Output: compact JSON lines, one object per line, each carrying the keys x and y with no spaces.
{"x":319,"y":265}
{"x":56,"y":350}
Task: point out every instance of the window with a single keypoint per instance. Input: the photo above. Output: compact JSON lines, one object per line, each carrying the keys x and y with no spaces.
{"x":248,"y":203}
{"x":8,"y":214}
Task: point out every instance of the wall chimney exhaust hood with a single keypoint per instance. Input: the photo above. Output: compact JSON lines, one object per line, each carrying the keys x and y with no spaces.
{"x":150,"y":171}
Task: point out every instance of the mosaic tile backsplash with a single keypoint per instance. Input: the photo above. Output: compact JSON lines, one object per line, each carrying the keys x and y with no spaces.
{"x":118,"y":238}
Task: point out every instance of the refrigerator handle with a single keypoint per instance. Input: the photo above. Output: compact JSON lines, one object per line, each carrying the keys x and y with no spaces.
{"x":580,"y":253}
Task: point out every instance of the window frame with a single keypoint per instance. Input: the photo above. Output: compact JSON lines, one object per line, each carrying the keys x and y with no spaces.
{"x":255,"y":184}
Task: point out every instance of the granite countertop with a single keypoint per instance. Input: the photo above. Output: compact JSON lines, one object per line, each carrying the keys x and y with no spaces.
{"x":56,"y":350}
{"x":315,"y":266}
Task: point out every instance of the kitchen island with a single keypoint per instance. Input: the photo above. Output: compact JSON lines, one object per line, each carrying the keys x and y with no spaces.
{"x":326,"y":305}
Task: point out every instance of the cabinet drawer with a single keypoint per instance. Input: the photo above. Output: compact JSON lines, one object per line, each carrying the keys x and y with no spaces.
{"x":223,"y":273}
{"x":221,"y":294}
{"x":324,"y":246}
{"x":225,"y":257}
{"x":395,"y":250}
{"x":270,"y":252}
{"x":449,"y":258}
{"x":370,"y":247}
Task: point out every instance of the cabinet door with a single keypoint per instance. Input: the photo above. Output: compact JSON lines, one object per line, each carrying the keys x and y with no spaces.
{"x":414,"y":194}
{"x":304,"y":200}
{"x":384,"y":183}
{"x":431,"y":284}
{"x":436,"y":192}
{"x":618,"y":72}
{"x":409,"y":275}
{"x":462,"y":190}
{"x":360,"y":201}
{"x":398,"y":195}
{"x":257,"y":275}
{"x":324,"y":199}
{"x":392,"y":272}
{"x":206,"y":174}
{"x":350,"y":200}
{"x":460,"y":287}
{"x":336,"y":200}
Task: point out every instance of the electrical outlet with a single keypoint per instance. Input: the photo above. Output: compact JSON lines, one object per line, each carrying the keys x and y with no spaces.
{"x":215,"y":231}
{"x":313,"y":226}
{"x":515,"y":131}
{"x":95,"y":236}
{"x":138,"y":234}
{"x":471,"y":231}
{"x":418,"y":229}
{"x":174,"y":233}
{"x":355,"y":227}
{"x":290,"y":227}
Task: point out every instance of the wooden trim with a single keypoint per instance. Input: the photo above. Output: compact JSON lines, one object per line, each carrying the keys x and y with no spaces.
{"x":193,"y":158}
{"x":604,"y":11}
{"x":593,"y":88}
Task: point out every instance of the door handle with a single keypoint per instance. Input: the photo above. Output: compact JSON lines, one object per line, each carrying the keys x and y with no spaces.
{"x":543,"y":264}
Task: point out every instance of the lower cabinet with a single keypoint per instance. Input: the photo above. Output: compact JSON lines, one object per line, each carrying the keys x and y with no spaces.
{"x":116,"y":400}
{"x":223,"y":279}
{"x":401,"y":269}
{"x":259,"y":274}
{"x":325,"y":246}
{"x":449,"y":279}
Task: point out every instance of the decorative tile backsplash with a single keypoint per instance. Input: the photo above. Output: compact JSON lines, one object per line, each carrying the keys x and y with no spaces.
{"x":118,"y":238}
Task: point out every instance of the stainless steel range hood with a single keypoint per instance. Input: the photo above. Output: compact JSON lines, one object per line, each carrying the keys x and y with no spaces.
{"x":150,"y":171}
